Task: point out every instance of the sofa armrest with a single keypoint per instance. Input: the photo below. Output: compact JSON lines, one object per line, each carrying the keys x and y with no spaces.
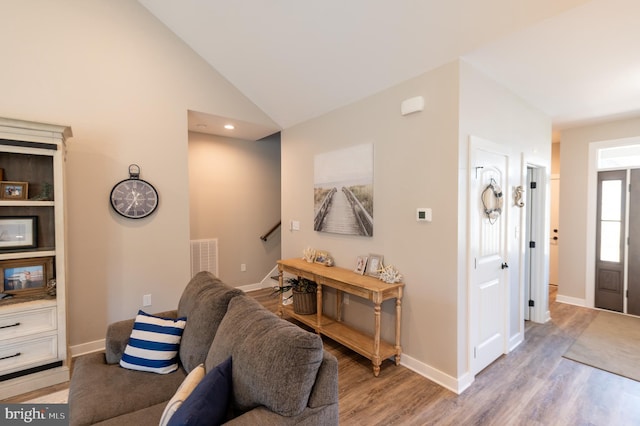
{"x":325,"y":389}
{"x":118,"y":336}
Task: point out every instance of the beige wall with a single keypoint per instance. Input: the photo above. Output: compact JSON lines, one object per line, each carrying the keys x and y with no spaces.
{"x":555,"y":158}
{"x":576,"y":249}
{"x":124,"y":83}
{"x":235,"y":197}
{"x":414,"y":166}
{"x":420,"y":161}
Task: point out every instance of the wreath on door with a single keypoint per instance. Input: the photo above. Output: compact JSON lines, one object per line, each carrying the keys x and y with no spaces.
{"x":492,"y":201}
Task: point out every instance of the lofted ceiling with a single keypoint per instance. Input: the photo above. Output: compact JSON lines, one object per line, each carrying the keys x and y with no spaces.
{"x":575,"y":60}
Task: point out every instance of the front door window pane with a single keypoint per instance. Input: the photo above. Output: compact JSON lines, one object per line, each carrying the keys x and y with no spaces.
{"x":610,"y":224}
{"x":610,"y":242}
{"x":611,"y":200}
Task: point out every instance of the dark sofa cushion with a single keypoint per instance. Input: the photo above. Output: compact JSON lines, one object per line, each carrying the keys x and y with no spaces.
{"x":209,"y":401}
{"x":204,"y":304}
{"x":275,"y":362}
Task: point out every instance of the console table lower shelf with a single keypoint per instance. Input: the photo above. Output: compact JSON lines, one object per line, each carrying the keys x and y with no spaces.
{"x":347,"y":336}
{"x":344,"y":281}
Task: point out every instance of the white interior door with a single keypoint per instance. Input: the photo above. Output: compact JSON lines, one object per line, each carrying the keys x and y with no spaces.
{"x":488,"y":248}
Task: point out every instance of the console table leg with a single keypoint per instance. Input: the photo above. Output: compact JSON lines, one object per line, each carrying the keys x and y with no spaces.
{"x":280,"y":281}
{"x":376,"y":341}
{"x":376,"y":370}
{"x":398,"y":322}
{"x":318,"y":308}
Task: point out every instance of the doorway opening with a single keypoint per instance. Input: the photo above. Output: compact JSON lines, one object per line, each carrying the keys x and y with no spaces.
{"x":536,"y":289}
{"x":617,"y":280}
{"x":613,"y":226}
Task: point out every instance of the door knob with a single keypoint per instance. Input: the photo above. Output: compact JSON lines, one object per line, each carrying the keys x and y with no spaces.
{"x":504,"y":265}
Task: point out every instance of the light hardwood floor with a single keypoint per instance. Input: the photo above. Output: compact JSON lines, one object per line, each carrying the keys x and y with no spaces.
{"x":533,"y":385}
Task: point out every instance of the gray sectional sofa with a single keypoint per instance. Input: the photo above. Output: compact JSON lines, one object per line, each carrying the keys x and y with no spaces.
{"x":280,"y":373}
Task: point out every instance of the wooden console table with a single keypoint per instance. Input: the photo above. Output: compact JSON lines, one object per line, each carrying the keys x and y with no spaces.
{"x":346,"y":281}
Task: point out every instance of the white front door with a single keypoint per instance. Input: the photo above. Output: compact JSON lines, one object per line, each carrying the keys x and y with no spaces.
{"x":488,"y":253}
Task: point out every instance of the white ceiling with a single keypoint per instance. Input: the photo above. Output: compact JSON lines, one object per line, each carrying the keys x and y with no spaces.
{"x":575,"y":60}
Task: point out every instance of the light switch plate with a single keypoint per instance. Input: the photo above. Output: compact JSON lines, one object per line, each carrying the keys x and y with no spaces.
{"x":423,"y":214}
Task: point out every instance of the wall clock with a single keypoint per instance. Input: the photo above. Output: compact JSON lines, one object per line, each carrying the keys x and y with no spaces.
{"x":134,"y":198}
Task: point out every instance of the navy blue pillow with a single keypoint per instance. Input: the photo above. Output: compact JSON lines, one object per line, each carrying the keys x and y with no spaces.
{"x":209,"y":401}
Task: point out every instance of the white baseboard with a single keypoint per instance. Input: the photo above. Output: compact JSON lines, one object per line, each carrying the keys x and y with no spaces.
{"x":456,"y":385}
{"x":266,"y":282}
{"x":86,"y":348}
{"x":515,"y":341}
{"x":253,"y":287}
{"x":571,"y":300}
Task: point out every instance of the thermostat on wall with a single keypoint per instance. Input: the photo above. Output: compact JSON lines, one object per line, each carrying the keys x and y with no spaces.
{"x":423,"y":214}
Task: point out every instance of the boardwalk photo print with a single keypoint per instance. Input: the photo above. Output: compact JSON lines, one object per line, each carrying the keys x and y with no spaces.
{"x":343,"y":191}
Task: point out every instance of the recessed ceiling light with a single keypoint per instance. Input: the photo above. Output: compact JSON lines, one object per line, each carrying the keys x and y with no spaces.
{"x":229,"y":126}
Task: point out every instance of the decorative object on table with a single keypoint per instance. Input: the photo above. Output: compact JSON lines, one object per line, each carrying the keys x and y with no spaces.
{"x":518,"y":195}
{"x":361,"y":265}
{"x":51,"y":287}
{"x":18,"y":232}
{"x":303,"y":294}
{"x":343,"y":191}
{"x":26,"y":276}
{"x":14,"y":190}
{"x":389,"y":274}
{"x":374,"y":264}
{"x":46,"y":194}
{"x":309,"y":254}
{"x":323,"y":258}
{"x":134,"y":198}
{"x":492,"y":201}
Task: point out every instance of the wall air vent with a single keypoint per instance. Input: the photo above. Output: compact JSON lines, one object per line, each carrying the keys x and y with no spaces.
{"x":204,"y":256}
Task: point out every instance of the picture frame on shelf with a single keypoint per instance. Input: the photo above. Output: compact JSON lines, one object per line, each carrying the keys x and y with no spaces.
{"x":14,"y":190}
{"x":26,"y":276}
{"x":361,"y":265}
{"x":374,"y":264}
{"x":18,"y":232}
{"x":323,"y":257}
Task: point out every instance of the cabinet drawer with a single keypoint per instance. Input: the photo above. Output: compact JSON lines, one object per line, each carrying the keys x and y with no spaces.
{"x":26,"y":353}
{"x":18,"y":324}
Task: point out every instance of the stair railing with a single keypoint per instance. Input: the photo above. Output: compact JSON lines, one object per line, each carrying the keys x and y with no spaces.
{"x":270,"y":231}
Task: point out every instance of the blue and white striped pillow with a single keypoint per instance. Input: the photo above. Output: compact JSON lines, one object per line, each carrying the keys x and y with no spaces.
{"x":153,"y":344}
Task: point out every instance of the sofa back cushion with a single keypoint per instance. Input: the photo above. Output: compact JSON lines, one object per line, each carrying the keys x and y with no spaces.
{"x":204,"y":303}
{"x":275,"y":362}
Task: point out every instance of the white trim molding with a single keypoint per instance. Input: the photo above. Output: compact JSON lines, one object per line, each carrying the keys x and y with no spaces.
{"x":456,"y":385}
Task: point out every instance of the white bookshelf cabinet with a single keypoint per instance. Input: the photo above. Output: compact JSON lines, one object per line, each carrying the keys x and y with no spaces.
{"x":33,"y":323}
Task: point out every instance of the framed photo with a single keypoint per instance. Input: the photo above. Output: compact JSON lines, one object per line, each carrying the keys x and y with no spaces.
{"x":26,"y":276}
{"x":14,"y":190}
{"x":361,"y":265}
{"x":323,"y":257}
{"x":18,"y":232}
{"x":374,"y":264}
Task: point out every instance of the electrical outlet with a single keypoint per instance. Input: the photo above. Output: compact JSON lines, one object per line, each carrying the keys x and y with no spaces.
{"x":345,"y":298}
{"x":146,"y":300}
{"x":243,"y":267}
